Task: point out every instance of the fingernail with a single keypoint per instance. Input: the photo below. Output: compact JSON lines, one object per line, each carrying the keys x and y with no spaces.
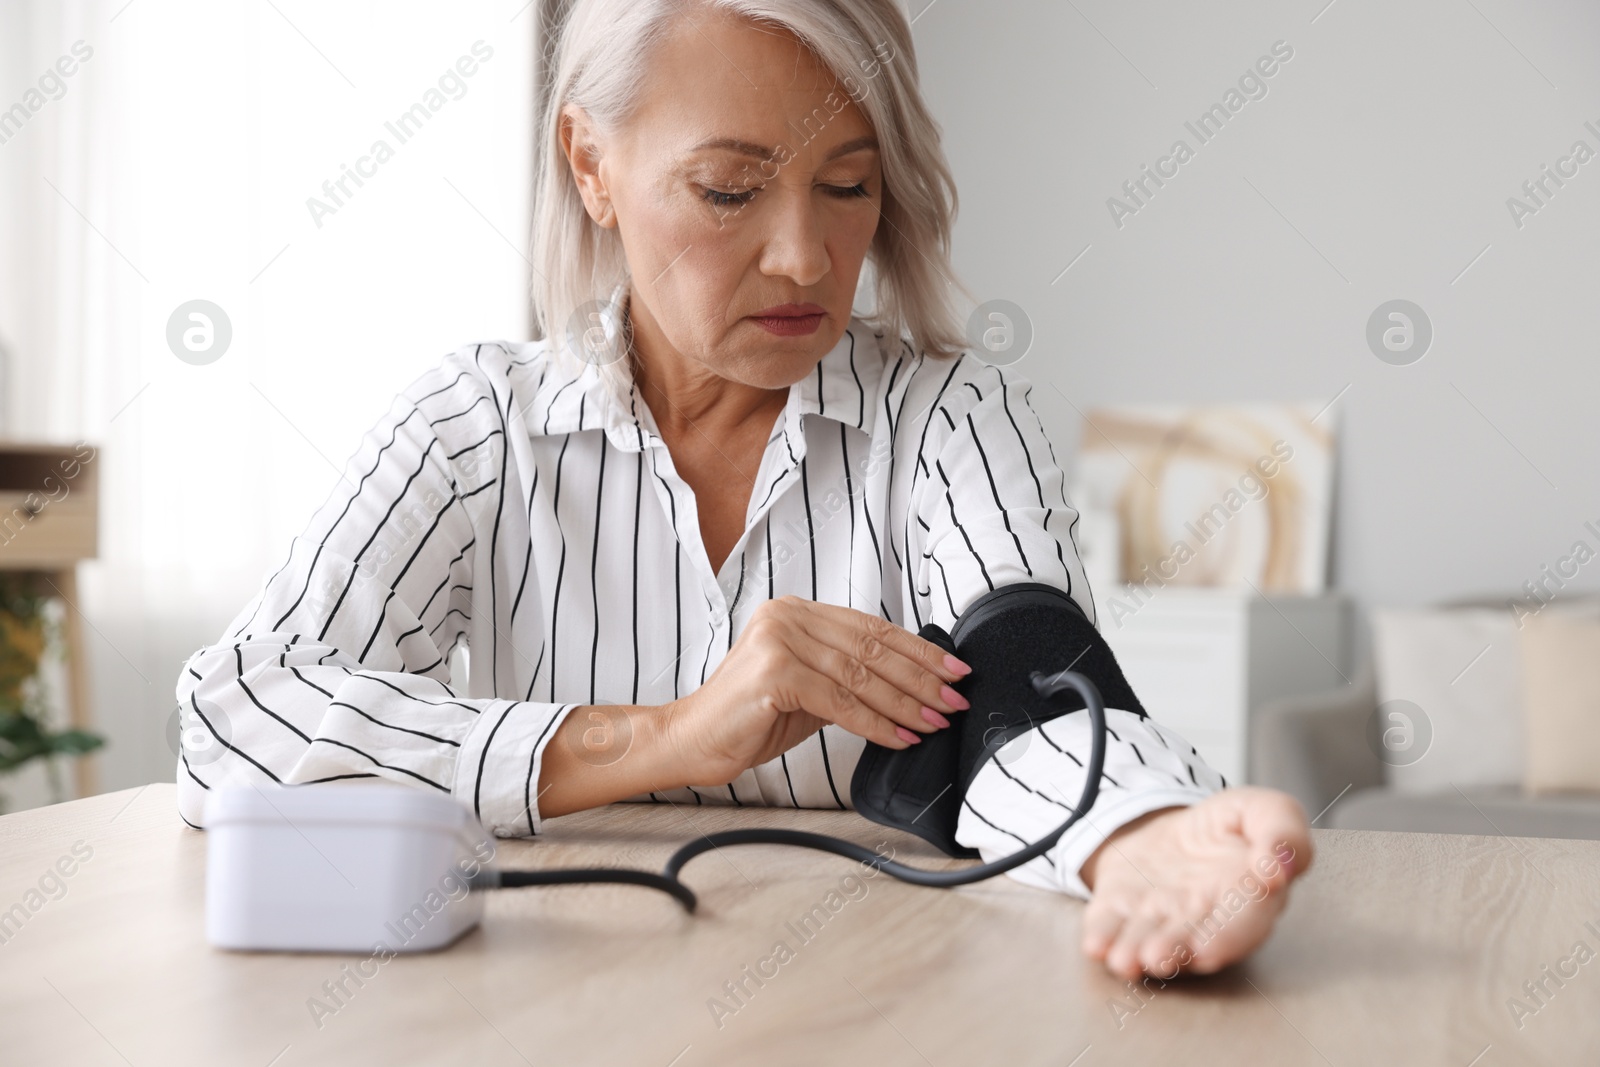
{"x":907,"y":736}
{"x":953,"y":664}
{"x":954,"y":699}
{"x":934,"y":718}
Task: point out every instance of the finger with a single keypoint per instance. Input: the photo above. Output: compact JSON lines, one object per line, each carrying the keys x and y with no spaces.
{"x":925,"y":654}
{"x":816,"y":640}
{"x":1124,"y":957}
{"x":881,"y":647}
{"x":1168,"y":949}
{"x":1275,"y":826}
{"x":871,"y":689}
{"x":814,"y":678}
{"x":1236,"y":934}
{"x":809,"y":690}
{"x":1101,"y":924}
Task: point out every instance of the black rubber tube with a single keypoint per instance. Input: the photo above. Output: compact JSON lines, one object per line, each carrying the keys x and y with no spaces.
{"x":668,"y":881}
{"x":582,"y":875}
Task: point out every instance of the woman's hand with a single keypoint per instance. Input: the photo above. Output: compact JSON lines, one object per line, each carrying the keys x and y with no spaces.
{"x":1194,"y":889}
{"x":799,"y":664}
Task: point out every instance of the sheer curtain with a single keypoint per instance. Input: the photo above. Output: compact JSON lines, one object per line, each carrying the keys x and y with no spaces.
{"x":348,"y":183}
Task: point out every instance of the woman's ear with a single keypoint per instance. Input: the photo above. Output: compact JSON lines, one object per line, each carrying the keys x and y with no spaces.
{"x":581,"y":146}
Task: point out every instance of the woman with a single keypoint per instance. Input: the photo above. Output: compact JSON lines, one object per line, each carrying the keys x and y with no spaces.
{"x":687,"y":536}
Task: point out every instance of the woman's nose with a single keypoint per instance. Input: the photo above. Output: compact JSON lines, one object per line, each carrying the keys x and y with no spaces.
{"x":796,"y":247}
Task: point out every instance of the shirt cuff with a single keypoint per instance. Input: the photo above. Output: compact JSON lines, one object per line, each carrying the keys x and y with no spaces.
{"x":497,"y":769}
{"x":1029,"y":786}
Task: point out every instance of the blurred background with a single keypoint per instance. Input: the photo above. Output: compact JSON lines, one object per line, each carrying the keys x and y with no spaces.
{"x":1378,"y":242}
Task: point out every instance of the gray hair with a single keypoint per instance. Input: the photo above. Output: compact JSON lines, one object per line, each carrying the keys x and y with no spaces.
{"x":594,"y":60}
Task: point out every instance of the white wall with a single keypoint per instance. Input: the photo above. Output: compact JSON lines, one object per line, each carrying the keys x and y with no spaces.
{"x":1391,"y":142}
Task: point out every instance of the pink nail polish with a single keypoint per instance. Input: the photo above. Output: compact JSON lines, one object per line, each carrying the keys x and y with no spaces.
{"x":954,"y":699}
{"x":934,"y":718}
{"x":907,"y":736}
{"x":956,"y":665}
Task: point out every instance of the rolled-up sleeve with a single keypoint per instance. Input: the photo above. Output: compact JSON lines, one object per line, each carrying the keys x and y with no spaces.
{"x":992,"y":502}
{"x":339,"y":669}
{"x":993,"y":512}
{"x":1032,"y":785}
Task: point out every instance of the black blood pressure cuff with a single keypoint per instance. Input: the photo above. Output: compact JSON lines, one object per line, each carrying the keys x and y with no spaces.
{"x":1004,"y":637}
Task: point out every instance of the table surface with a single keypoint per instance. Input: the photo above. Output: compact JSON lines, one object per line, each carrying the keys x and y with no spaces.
{"x":1396,"y":949}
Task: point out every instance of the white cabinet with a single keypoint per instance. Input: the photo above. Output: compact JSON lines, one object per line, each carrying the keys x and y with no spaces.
{"x":1201,"y":660}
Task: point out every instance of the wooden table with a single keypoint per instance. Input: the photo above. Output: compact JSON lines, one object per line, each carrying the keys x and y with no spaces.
{"x":1397,"y":949}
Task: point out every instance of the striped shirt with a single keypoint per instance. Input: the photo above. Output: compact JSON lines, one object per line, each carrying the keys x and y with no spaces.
{"x":518,"y":503}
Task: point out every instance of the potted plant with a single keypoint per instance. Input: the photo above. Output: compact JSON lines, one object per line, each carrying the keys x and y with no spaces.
{"x":27,"y":632}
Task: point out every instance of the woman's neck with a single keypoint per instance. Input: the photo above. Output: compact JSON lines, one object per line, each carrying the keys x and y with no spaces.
{"x":682,"y":393}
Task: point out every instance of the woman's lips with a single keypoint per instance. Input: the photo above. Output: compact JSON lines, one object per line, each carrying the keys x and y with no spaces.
{"x":790,"y":320}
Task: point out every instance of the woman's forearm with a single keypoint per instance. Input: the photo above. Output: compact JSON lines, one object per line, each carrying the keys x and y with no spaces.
{"x":605,"y":753}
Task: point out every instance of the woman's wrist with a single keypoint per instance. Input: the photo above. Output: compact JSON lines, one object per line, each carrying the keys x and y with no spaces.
{"x":679,"y":756}
{"x":669,"y":758}
{"x":603,"y":753}
{"x":1091,"y":866}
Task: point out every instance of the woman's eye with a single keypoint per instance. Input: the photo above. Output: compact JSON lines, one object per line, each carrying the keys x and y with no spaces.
{"x":847,"y":192}
{"x":725,"y":198}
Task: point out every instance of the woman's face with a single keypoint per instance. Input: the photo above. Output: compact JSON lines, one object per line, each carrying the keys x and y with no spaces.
{"x":746,"y":180}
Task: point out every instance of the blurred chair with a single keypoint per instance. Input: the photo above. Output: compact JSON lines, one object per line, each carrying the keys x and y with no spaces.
{"x":1317,"y":749}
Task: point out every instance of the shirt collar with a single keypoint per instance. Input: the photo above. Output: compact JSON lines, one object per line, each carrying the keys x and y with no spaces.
{"x":579,"y":394}
{"x":844,"y":382}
